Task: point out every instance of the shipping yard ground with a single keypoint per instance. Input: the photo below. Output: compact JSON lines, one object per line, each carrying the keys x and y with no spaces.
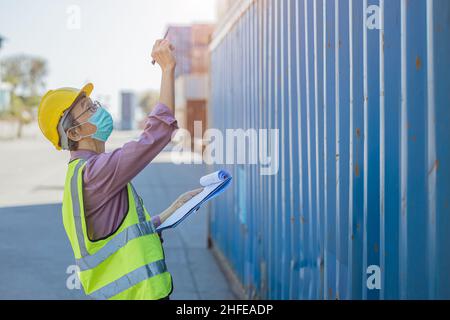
{"x":35,"y":250}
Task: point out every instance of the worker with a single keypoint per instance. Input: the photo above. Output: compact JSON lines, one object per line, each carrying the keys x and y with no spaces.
{"x":114,"y":240}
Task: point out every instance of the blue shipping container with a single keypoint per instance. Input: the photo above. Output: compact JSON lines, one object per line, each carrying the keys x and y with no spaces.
{"x":360,"y":93}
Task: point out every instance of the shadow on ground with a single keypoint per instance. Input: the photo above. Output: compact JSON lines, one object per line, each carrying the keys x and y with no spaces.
{"x":36,"y":252}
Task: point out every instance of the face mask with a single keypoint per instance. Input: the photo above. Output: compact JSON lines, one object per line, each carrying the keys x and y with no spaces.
{"x":103,"y":121}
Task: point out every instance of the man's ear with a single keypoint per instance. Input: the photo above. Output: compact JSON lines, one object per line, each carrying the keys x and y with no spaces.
{"x":73,"y":134}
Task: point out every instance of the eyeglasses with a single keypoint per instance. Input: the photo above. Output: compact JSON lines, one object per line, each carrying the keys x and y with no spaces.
{"x":92,"y":109}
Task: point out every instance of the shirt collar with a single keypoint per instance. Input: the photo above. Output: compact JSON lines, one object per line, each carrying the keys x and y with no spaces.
{"x":82,"y":154}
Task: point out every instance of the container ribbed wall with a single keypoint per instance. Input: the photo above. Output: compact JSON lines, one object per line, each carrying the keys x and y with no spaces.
{"x":364,"y":120}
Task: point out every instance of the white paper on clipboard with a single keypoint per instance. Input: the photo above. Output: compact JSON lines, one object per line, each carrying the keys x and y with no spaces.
{"x":214,"y":184}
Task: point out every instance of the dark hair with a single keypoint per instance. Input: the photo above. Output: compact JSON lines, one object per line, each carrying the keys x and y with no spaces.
{"x":71,"y":122}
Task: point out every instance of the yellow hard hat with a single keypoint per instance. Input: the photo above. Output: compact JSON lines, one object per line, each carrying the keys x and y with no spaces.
{"x":52,"y":107}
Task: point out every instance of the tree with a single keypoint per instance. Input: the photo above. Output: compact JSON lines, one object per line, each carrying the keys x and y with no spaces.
{"x":26,"y":76}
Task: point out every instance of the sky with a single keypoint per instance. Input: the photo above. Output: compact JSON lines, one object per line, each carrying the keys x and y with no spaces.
{"x":106,"y":42}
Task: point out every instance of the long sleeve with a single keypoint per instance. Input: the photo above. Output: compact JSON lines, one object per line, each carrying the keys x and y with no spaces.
{"x":109,"y":173}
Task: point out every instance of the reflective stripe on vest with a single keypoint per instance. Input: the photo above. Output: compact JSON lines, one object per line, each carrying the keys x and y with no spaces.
{"x":76,"y":209}
{"x":88,"y":261}
{"x":138,"y":230}
{"x":130,"y":233}
{"x":129,"y":280}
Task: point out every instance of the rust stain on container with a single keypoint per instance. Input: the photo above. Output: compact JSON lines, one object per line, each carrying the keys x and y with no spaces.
{"x":418,"y":63}
{"x":357,"y":170}
{"x":435,"y":167}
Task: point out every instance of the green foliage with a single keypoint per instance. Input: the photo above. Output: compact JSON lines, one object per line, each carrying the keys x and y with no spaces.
{"x":26,"y":76}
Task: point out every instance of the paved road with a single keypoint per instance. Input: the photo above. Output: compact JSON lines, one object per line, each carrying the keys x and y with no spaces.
{"x":35,"y":251}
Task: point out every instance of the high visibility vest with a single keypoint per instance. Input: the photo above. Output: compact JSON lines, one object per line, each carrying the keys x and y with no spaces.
{"x":130,"y":263}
